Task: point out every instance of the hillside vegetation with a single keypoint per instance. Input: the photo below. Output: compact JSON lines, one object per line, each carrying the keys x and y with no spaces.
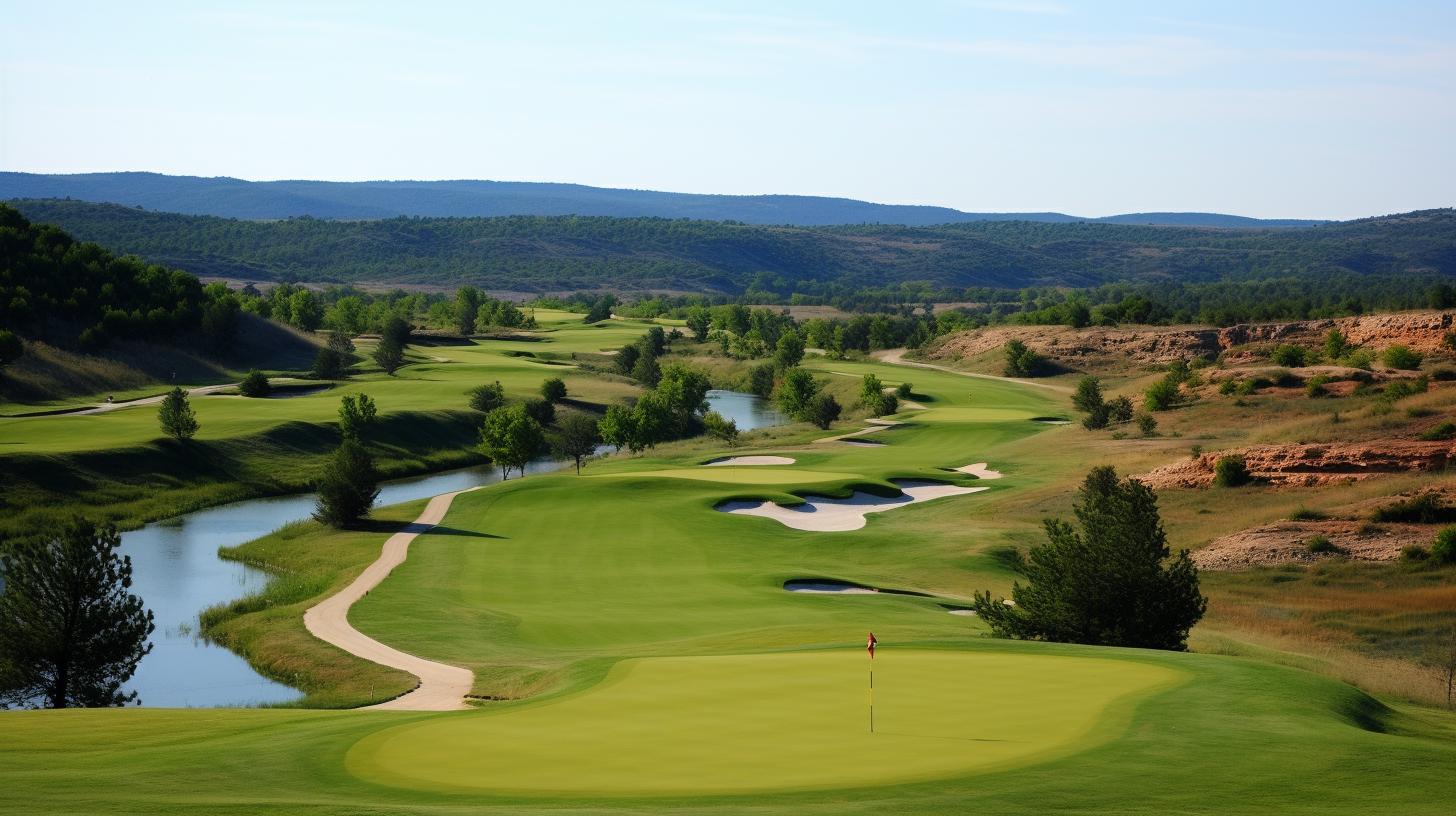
{"x":576,"y":253}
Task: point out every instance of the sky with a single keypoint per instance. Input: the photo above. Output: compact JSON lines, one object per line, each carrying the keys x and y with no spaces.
{"x":1326,"y":109}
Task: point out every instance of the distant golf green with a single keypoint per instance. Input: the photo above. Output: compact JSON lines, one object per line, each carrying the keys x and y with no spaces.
{"x":749,"y":723}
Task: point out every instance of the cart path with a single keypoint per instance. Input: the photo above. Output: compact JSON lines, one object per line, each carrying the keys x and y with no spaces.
{"x":442,"y":687}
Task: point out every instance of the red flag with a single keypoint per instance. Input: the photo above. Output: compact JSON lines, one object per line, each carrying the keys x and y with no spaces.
{"x":870,"y":645}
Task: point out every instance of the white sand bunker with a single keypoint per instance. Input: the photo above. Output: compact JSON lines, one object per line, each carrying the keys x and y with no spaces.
{"x":749,"y":460}
{"x":824,"y":515}
{"x":964,"y":613}
{"x":980,"y":471}
{"x":828,"y":588}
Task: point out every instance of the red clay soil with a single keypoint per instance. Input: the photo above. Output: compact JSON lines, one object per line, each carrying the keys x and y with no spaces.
{"x":1311,"y":464}
{"x":1286,"y":542}
{"x":1421,"y":331}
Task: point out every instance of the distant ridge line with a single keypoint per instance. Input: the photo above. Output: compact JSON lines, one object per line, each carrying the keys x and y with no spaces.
{"x":370,"y":200}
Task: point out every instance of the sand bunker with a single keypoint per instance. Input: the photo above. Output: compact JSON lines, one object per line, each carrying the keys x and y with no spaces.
{"x":979,"y":470}
{"x":827,"y":587}
{"x":749,"y":460}
{"x":863,"y":443}
{"x":824,"y":515}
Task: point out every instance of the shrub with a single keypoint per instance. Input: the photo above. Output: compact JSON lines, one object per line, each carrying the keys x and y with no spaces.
{"x":1227,"y":387}
{"x":1305,"y":514}
{"x":1402,"y":357}
{"x":1147,"y":425}
{"x":1088,"y":396}
{"x":1443,"y":549}
{"x":1231,"y":471}
{"x":1443,"y":374}
{"x":176,"y":415}
{"x":1289,"y":356}
{"x":487,"y":398}
{"x":1414,"y":552}
{"x":1400,"y":389}
{"x":823,"y":409}
{"x":720,"y":428}
{"x":1426,"y":508}
{"x":1336,"y":345}
{"x":1195,"y":451}
{"x":1446,"y":430}
{"x":542,"y":411}
{"x":255,"y":385}
{"x":1247,"y":387}
{"x":1163,"y":394}
{"x":348,"y":487}
{"x":553,"y":390}
{"x":1022,"y":361}
{"x":328,"y":364}
{"x":904,"y":390}
{"x":1120,"y":410}
{"x":1316,"y":386}
{"x":1321,"y":544}
{"x":1359,"y":358}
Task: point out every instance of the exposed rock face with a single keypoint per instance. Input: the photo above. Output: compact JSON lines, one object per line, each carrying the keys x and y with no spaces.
{"x":1286,"y":542}
{"x":1312,"y":464}
{"x":1422,"y":331}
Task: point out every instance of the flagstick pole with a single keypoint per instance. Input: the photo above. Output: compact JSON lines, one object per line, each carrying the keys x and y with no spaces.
{"x":872,"y":694}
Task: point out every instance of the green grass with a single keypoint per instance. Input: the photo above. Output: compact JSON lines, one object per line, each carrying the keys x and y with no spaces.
{"x":641,"y":655}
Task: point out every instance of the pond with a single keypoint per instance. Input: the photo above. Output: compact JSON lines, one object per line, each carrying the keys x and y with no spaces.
{"x":177,"y":573}
{"x":749,"y":411}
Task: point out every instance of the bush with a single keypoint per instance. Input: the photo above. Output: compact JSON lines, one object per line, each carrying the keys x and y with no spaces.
{"x":487,"y":398}
{"x":1288,"y":356}
{"x":1305,"y":514}
{"x":1414,"y":552}
{"x":1402,"y":357}
{"x":1022,"y":361}
{"x":1446,"y":430}
{"x":1400,"y":389}
{"x":255,"y":385}
{"x":176,"y":415}
{"x":1120,"y":410}
{"x":720,"y":428}
{"x":823,"y":409}
{"x":542,"y":411}
{"x":553,"y":390}
{"x":1163,"y":395}
{"x":1231,"y":471}
{"x":348,"y":487}
{"x":328,"y":364}
{"x":1316,"y":386}
{"x":1247,"y":387}
{"x":1443,"y":549}
{"x":1227,"y":387}
{"x":1427,"y":508}
{"x":1359,"y":358}
{"x":1443,"y":374}
{"x":1321,"y":544}
{"x":1147,"y":425}
{"x":904,"y":390}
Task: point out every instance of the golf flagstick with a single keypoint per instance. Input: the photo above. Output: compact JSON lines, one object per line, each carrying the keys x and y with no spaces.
{"x":870,"y":647}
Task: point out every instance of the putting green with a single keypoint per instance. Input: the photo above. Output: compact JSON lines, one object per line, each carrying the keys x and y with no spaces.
{"x":737,"y":724}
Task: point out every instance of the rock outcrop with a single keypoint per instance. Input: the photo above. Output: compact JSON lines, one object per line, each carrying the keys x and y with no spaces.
{"x":1311,"y":464}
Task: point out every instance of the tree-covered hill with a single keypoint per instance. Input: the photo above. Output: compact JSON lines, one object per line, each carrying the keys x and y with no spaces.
{"x":466,"y":198}
{"x":526,"y":253}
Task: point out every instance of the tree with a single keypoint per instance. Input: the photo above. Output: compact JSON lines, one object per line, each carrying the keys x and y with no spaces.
{"x":1336,"y":345}
{"x":822,"y":410}
{"x":647,"y":371}
{"x":487,"y":398}
{"x":305,"y":311}
{"x":654,"y":342}
{"x":797,"y":388}
{"x":541,"y":410}
{"x":356,"y":414}
{"x":467,"y":302}
{"x":255,"y":385}
{"x":1088,"y":396}
{"x":348,"y":487}
{"x":1110,"y":583}
{"x":761,"y":379}
{"x":1163,"y":395}
{"x":1147,"y":424}
{"x":789,"y":351}
{"x":389,"y":354}
{"x":700,"y":320}
{"x":872,"y":397}
{"x":653,"y":421}
{"x":328,"y":364}
{"x":1119,"y":410}
{"x":576,"y":438}
{"x":1021,"y":361}
{"x":601,"y":310}
{"x":719,"y":427}
{"x":176,"y":416}
{"x":617,"y":427}
{"x":71,"y":633}
{"x":553,"y":390}
{"x":397,"y":330}
{"x":342,"y":346}
{"x":626,"y":359}
{"x":510,"y":438}
{"x":10,"y":348}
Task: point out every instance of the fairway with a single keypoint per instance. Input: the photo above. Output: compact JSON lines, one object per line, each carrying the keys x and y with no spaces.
{"x":748,"y":723}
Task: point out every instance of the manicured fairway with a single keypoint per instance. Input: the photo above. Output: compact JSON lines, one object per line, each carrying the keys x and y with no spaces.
{"x":740,"y":724}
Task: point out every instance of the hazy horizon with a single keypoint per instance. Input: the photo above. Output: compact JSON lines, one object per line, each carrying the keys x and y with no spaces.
{"x":1331,"y":110}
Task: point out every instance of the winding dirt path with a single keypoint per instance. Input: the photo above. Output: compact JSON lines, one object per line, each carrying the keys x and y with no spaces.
{"x":897,"y":357}
{"x":442,"y":687}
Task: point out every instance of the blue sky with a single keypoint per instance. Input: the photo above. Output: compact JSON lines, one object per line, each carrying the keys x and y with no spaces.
{"x":1298,"y":109}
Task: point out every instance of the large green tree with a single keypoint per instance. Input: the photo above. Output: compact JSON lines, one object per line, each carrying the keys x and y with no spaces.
{"x":576,"y":438}
{"x":71,"y":632}
{"x":1108,"y":581}
{"x":176,"y":416}
{"x":348,"y":487}
{"x":511,"y":438}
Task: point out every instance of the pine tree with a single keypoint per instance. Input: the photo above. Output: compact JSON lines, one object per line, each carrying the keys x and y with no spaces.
{"x":70,"y":631}
{"x":176,"y":416}
{"x":1110,"y":583}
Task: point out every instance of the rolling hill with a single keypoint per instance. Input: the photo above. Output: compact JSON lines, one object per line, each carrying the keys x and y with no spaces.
{"x":237,"y":198}
{"x":527,"y":253}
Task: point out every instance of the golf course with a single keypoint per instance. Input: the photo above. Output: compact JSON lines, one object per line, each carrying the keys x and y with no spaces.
{"x":633,"y":646}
